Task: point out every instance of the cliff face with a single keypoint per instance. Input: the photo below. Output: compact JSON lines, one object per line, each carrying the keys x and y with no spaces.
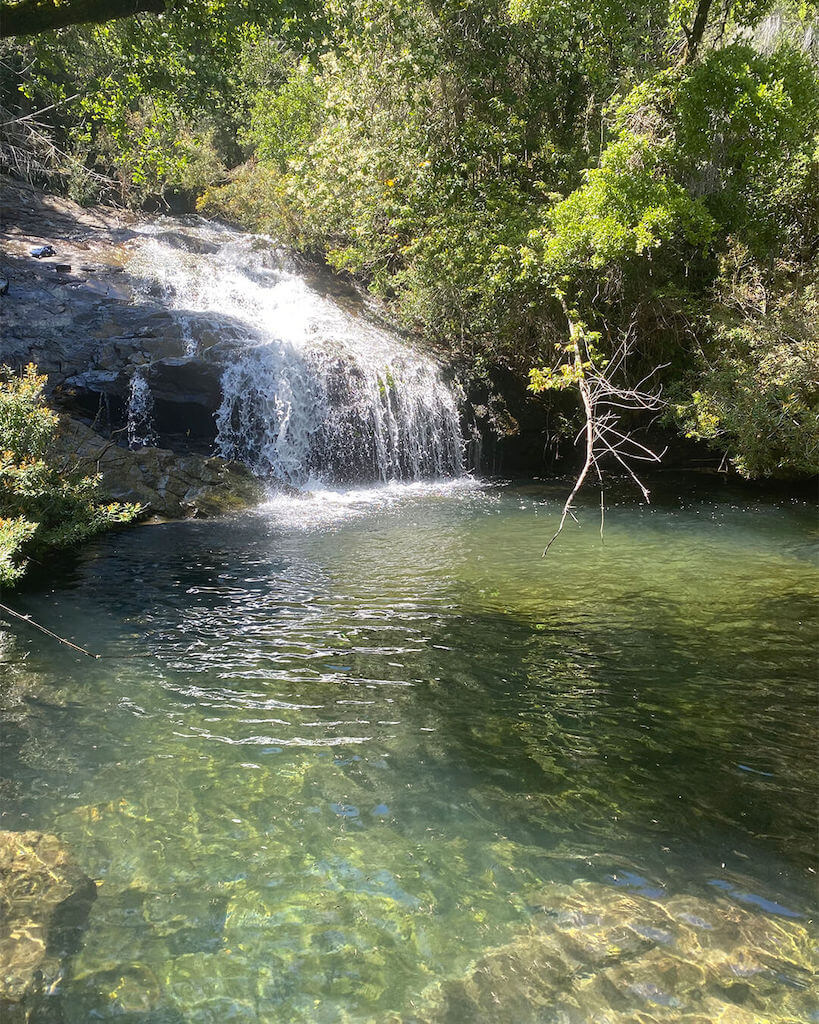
{"x":83,"y":320}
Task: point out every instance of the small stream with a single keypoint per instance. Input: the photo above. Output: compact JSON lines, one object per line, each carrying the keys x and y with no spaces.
{"x":362,"y":756}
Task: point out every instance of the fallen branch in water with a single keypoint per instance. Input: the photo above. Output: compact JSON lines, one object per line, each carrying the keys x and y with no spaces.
{"x":48,"y":632}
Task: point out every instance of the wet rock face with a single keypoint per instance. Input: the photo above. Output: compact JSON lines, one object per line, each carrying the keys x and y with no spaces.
{"x":169,"y":484}
{"x":89,"y":327}
{"x":45,"y":900}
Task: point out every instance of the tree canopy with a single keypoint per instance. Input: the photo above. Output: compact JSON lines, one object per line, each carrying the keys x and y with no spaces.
{"x":485,"y":165}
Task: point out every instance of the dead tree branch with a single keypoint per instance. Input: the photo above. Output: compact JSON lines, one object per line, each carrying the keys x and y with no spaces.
{"x":604,"y":403}
{"x":54,"y":636}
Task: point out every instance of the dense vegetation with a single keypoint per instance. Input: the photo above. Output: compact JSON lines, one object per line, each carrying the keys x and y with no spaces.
{"x":45,"y":503}
{"x":528,"y":183}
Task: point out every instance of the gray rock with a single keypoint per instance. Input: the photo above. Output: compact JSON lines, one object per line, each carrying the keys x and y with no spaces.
{"x":89,"y":332}
{"x":171,"y":485}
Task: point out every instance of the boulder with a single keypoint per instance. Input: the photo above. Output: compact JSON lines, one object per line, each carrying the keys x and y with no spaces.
{"x":45,"y":900}
{"x":169,"y":484}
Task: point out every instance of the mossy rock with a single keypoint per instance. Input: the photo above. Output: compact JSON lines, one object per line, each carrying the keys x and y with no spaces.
{"x":168,"y":484}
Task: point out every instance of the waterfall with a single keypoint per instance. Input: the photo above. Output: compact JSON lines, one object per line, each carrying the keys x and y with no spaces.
{"x":312,"y":389}
{"x":140,"y":412}
{"x":313,"y":414}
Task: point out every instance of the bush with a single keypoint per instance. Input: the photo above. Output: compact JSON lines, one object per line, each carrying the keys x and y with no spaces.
{"x":43,"y":506}
{"x":754,"y":391}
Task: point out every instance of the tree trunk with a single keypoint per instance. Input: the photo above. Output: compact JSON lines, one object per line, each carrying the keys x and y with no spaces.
{"x":31,"y":17}
{"x":693,"y":35}
{"x":576,"y":332}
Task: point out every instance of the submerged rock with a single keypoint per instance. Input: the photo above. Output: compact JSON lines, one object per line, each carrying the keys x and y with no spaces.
{"x":595,"y":955}
{"x":169,"y":484}
{"x":45,"y":900}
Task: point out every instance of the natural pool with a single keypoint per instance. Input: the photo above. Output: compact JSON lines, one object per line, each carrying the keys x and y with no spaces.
{"x":367,"y":757}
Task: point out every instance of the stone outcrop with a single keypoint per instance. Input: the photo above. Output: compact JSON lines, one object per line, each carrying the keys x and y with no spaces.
{"x":169,"y":484}
{"x":45,"y":900}
{"x":88,"y":328}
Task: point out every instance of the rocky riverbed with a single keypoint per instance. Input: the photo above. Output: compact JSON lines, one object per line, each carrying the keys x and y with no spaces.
{"x":45,"y":900}
{"x":673,"y":960}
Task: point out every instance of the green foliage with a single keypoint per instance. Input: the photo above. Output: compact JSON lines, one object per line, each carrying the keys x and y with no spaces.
{"x":756,"y":380}
{"x":442,"y":127}
{"x":746,"y":129}
{"x":481,"y":164}
{"x":546,"y":379}
{"x":144,"y":105}
{"x":283,"y":120}
{"x":624,"y":208}
{"x":43,"y":505}
{"x":725,"y":147}
{"x":14,"y":535}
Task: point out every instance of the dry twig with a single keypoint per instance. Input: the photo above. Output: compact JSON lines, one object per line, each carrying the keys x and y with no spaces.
{"x":43,"y":629}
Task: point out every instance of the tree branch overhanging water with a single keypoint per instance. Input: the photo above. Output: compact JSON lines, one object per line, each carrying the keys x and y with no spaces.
{"x":601,"y":396}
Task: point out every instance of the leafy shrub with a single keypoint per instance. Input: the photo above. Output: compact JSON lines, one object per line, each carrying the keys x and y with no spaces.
{"x":43,"y":506}
{"x":755,"y":386}
{"x":746,"y":130}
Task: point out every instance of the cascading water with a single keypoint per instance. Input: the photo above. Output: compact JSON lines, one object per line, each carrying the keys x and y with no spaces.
{"x":140,"y":412}
{"x":311,"y":391}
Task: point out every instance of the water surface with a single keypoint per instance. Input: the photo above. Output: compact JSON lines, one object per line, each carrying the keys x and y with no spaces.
{"x":366,"y":757}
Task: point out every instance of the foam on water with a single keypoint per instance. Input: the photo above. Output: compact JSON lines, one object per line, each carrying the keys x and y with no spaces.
{"x":309,"y":389}
{"x":320,"y":506}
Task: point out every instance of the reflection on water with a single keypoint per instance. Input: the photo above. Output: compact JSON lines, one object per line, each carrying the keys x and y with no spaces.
{"x":366,"y":757}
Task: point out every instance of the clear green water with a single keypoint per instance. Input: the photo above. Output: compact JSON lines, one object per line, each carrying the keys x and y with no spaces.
{"x":372,"y":759}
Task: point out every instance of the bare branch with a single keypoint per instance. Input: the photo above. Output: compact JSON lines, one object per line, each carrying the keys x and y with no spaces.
{"x":42,"y":110}
{"x":601,"y":396}
{"x":27,"y":618}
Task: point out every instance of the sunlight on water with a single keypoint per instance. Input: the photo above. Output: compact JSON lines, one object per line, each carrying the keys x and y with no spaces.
{"x":364,"y":756}
{"x":319,"y":506}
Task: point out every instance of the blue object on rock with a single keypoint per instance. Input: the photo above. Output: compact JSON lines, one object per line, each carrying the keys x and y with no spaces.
{"x":43,"y":250}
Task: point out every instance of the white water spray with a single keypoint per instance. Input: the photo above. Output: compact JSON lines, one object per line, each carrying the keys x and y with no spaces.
{"x":140,"y":412}
{"x":311,"y":391}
